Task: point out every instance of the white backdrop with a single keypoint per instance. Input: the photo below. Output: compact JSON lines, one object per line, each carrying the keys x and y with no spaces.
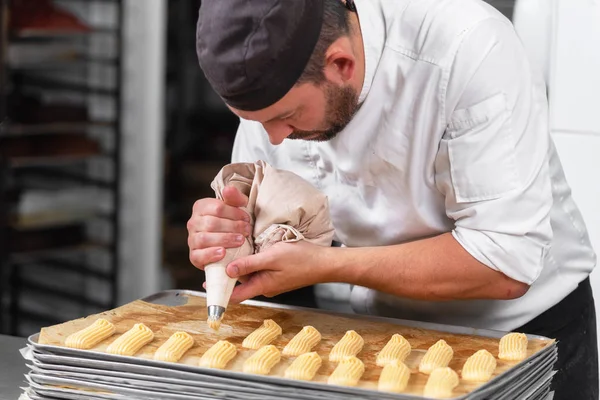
{"x":563,"y":37}
{"x":143,"y":141}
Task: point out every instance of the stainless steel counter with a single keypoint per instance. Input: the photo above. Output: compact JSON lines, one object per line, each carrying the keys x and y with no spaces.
{"x":12,"y":367}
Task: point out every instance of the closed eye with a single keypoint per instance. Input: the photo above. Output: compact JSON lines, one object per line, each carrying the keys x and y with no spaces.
{"x":288,"y":117}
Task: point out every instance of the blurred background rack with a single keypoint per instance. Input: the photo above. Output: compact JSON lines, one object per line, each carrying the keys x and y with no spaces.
{"x":60,"y":147}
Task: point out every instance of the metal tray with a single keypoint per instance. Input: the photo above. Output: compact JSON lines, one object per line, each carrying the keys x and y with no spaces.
{"x":539,"y":388}
{"x":64,"y":393}
{"x":510,"y":379}
{"x":166,"y":384}
{"x":40,"y":383}
{"x":179,"y":297}
{"x":236,"y":392}
{"x":510,"y":388}
{"x":145,"y":382}
{"x":543,"y":377}
{"x":117,"y":383}
{"x":57,"y":362}
{"x":62,"y":363}
{"x":66,"y":365}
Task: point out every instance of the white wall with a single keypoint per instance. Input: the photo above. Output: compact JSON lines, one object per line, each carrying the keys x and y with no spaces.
{"x":575,"y":108}
{"x":143,"y":132}
{"x":563,"y":39}
{"x":563,"y":36}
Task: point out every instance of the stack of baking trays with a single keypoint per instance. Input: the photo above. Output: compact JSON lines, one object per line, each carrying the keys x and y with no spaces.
{"x":61,"y":372}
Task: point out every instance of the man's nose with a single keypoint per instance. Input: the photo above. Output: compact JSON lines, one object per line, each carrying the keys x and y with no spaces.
{"x":278,"y":131}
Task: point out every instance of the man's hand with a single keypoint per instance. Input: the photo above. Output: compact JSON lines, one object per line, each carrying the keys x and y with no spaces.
{"x":216,"y":225}
{"x":281,"y":268}
{"x":432,"y":269}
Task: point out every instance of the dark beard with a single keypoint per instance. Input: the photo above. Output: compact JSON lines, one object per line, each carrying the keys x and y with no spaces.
{"x":342,"y":103}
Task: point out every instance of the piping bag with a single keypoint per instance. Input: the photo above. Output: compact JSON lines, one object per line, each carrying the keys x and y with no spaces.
{"x":282,"y":207}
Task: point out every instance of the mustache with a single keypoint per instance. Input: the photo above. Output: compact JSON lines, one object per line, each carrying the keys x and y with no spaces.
{"x":304,"y":134}
{"x":320,"y":135}
{"x":315,"y":136}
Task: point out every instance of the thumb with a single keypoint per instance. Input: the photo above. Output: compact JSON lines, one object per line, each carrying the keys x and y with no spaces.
{"x":233,"y":197}
{"x":246,"y":265}
{"x":255,"y":286}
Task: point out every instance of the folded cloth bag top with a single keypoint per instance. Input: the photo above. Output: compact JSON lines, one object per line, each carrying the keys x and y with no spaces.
{"x":282,"y":207}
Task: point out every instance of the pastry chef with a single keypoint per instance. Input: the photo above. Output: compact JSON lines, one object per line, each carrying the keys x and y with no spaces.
{"x":427,"y":128}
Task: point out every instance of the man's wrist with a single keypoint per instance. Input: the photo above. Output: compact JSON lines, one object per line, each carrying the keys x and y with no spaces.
{"x":334,"y":268}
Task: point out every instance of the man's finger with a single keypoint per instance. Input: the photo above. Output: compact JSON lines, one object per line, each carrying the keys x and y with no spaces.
{"x":201,"y":257}
{"x":203,"y":240}
{"x":252,"y":288}
{"x":233,"y":197}
{"x":208,"y":223}
{"x":218,"y":208}
{"x":246,"y":265}
{"x":242,"y":279}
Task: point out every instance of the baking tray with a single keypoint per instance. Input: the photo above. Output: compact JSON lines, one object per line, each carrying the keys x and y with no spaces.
{"x":539,"y":388}
{"x":510,"y":388}
{"x":117,"y":372}
{"x":501,"y":384}
{"x":168,"y":384}
{"x":524,"y":388}
{"x":116,"y":384}
{"x":87,"y":375}
{"x":67,"y":393}
{"x":167,"y":392}
{"x":57,"y":361}
{"x":58,"y":385}
{"x":61,"y":363}
{"x":179,"y":297}
{"x":84,"y":387}
{"x":244,"y":395}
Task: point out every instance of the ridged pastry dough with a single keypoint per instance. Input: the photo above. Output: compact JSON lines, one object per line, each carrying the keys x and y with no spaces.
{"x":397,"y":348}
{"x":479,"y":367}
{"x":304,"y":367}
{"x":92,"y":335}
{"x":349,"y":345}
{"x":394,"y":377}
{"x":263,"y":335}
{"x":347,"y":372}
{"x":513,"y":347}
{"x":131,"y":341}
{"x":175,"y":347}
{"x":214,"y":324}
{"x":303,"y":342}
{"x":441,"y":383}
{"x":438,"y":355}
{"x":262,"y":361}
{"x":219,"y":355}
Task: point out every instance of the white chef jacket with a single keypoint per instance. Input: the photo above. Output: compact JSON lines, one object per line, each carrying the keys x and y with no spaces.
{"x":451,"y":136}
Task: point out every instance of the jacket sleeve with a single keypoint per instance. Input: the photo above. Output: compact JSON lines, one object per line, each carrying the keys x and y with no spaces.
{"x":492,"y":163}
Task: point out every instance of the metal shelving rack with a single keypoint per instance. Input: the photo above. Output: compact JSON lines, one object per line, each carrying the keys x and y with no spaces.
{"x":73,"y":172}
{"x":3,"y":175}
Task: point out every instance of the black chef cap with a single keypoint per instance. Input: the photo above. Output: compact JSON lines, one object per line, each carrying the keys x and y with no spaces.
{"x":254,"y":51}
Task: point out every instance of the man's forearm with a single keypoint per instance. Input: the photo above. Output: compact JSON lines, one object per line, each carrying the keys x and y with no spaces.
{"x":436,"y":268}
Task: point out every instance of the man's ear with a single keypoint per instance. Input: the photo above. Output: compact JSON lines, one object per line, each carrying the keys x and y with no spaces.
{"x":340,"y":61}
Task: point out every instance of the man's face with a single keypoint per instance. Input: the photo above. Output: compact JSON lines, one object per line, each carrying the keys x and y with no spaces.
{"x":307,"y":112}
